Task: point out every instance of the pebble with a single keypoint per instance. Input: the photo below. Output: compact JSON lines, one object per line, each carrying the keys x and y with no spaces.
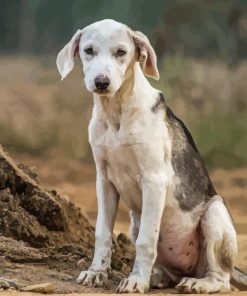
{"x":46,"y":288}
{"x":8,"y":284}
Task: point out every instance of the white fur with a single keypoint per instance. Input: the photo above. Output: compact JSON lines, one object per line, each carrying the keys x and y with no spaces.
{"x":132,"y":150}
{"x":217,"y":228}
{"x":132,"y":158}
{"x":129,"y":142}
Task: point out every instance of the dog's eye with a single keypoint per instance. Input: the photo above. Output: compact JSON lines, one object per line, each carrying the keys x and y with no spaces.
{"x":89,"y":50}
{"x":120,"y":52}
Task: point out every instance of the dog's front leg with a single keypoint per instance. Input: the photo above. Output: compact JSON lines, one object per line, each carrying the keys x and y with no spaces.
{"x":154,"y":190}
{"x":108,"y":199}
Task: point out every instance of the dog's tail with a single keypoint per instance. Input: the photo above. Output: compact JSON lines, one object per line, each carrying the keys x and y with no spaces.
{"x":239,"y":278}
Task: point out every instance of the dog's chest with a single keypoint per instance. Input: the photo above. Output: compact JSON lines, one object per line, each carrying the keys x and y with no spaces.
{"x":126,"y":154}
{"x":122,"y":155}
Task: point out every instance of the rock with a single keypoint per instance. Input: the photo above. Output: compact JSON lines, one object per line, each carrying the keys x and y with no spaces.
{"x":82,"y":263}
{"x":8,"y":284}
{"x":123,"y":238}
{"x":4,"y":284}
{"x":45,"y":288}
{"x":116,"y":263}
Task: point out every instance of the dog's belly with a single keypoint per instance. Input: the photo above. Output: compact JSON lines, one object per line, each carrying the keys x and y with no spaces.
{"x":179,"y":241}
{"x":180,"y":255}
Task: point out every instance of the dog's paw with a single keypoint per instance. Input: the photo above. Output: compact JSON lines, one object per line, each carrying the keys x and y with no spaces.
{"x":204,"y":285}
{"x":92,"y":278}
{"x":132,"y":284}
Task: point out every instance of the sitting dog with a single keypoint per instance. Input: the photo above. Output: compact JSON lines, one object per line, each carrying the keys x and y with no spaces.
{"x":183,"y":233}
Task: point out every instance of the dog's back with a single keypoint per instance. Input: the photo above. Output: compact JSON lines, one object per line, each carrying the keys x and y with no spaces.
{"x":195,"y":186}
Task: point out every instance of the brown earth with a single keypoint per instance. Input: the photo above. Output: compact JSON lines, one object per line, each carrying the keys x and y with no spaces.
{"x":77,"y":180}
{"x":43,"y":234}
{"x":158,"y":293}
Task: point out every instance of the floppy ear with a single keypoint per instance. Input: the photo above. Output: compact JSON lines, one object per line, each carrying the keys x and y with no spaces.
{"x":65,"y":58}
{"x":147,"y":55}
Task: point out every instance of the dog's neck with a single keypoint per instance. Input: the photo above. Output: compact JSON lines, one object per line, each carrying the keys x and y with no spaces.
{"x":134,"y":87}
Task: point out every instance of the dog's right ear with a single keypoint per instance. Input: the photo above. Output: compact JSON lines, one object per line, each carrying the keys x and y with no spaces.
{"x":65,"y":58}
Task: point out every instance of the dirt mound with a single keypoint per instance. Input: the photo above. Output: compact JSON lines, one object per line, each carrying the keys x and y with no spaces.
{"x":43,"y":235}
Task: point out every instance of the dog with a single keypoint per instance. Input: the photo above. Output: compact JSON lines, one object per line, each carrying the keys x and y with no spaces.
{"x":183,"y":233}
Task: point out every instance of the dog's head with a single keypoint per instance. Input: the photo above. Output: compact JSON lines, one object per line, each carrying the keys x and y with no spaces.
{"x":107,"y":50}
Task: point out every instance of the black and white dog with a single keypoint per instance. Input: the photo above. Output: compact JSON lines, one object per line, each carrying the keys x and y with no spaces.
{"x":182,"y":230}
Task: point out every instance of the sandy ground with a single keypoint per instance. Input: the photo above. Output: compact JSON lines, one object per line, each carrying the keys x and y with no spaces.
{"x":77,"y":181}
{"x":86,"y":294}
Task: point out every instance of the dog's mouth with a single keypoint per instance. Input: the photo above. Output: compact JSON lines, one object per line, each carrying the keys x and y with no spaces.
{"x":101,"y":91}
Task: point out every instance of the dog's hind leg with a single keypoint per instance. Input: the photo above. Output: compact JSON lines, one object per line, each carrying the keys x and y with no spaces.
{"x":220,"y":251}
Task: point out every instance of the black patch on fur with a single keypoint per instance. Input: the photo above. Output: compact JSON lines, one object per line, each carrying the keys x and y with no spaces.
{"x":170,"y":114}
{"x":195,"y":186}
{"x":160,"y":103}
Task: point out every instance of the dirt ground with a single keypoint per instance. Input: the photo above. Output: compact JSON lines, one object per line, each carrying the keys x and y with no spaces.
{"x":77,"y":181}
{"x":168,"y":292}
{"x":44,"y":235}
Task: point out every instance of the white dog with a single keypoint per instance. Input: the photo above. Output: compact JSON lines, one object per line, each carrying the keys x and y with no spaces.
{"x":183,"y":233}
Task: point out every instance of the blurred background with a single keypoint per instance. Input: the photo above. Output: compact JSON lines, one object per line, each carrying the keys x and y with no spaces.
{"x":201,"y":49}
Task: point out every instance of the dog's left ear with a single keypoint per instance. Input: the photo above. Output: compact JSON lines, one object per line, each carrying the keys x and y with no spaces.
{"x":65,"y":58}
{"x":146,"y":54}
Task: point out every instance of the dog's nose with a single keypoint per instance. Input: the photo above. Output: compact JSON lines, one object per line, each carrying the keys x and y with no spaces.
{"x":101,"y":82}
